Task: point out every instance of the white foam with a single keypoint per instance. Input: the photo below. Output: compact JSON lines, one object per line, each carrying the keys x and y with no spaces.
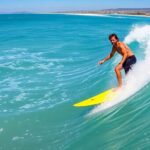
{"x":1,"y":130}
{"x":17,"y":138}
{"x":140,"y":74}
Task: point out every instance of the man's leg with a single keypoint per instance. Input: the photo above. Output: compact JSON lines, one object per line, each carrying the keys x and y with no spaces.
{"x":119,"y":76}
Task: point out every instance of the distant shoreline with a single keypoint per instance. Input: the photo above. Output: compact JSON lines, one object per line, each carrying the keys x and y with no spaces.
{"x":119,"y":11}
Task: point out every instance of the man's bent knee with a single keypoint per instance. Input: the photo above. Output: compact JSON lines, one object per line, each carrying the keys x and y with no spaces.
{"x":117,"y":69}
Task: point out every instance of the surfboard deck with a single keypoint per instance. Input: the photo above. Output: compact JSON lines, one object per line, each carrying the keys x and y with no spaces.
{"x":98,"y":99}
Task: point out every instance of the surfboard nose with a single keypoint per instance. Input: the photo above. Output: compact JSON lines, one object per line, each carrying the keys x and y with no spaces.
{"x":98,"y":99}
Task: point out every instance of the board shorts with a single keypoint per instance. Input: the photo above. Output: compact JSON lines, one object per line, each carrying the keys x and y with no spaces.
{"x":129,"y":62}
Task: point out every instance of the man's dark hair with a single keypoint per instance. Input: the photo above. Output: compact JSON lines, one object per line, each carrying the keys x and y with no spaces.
{"x":113,"y":35}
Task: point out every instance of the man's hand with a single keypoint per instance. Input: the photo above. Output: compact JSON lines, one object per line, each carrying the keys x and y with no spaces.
{"x":119,"y":66}
{"x":101,"y":62}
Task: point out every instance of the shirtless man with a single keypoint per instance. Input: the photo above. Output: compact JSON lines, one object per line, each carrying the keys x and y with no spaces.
{"x":128,"y":58}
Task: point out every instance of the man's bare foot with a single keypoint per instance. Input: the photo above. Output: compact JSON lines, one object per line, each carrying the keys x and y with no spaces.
{"x":117,"y":89}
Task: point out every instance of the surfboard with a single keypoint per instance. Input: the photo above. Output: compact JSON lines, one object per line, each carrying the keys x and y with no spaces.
{"x":105,"y":96}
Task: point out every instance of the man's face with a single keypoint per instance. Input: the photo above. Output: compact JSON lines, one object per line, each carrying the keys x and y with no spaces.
{"x":113,"y":40}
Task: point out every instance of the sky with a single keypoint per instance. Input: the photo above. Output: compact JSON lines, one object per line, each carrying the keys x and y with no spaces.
{"x":44,"y":6}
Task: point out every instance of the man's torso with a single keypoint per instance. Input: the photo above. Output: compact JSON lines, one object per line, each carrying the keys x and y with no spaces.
{"x":121,"y":45}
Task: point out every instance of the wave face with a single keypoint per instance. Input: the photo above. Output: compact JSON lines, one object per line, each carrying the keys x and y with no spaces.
{"x":49,"y":62}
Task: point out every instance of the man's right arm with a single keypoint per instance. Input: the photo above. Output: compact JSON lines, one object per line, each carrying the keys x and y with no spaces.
{"x":109,"y":56}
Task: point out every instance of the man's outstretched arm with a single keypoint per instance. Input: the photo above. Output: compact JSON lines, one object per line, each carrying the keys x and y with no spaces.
{"x":108,"y":57}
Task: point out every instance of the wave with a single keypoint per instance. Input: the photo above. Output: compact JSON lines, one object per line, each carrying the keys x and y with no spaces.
{"x":86,"y":14}
{"x":139,"y":76}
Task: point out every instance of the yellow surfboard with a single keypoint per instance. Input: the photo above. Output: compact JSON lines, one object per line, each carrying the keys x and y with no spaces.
{"x":98,"y":99}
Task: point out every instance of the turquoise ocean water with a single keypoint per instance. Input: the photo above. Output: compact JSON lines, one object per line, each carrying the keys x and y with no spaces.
{"x":49,"y":62}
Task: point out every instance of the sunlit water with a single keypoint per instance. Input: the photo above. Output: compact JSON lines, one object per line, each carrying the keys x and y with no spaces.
{"x":49,"y":62}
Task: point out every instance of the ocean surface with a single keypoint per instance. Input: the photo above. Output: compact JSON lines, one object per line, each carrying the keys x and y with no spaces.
{"x":49,"y":62}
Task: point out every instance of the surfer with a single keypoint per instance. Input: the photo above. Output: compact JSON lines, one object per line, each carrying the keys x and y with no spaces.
{"x":128,"y":57}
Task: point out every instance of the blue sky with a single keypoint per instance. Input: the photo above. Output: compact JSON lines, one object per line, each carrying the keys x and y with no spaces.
{"x":61,"y":5}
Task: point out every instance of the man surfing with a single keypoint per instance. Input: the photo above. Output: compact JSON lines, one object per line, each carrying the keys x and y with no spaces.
{"x":127,"y":61}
